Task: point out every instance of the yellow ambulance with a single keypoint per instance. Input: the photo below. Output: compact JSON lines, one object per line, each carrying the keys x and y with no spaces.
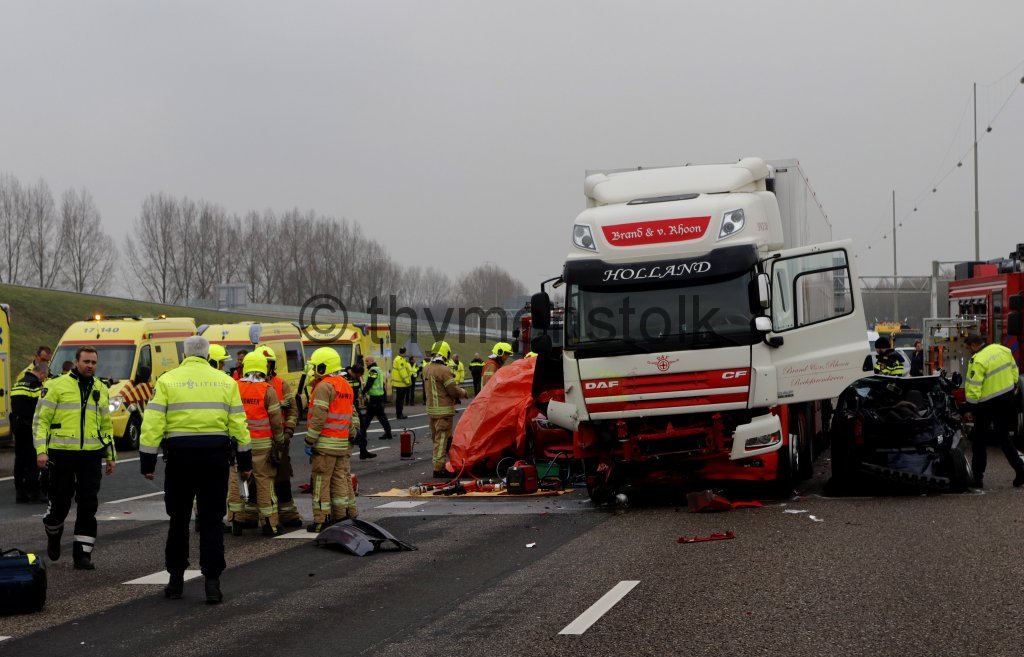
{"x":353,"y":342}
{"x":5,"y":373}
{"x":131,"y":353}
{"x":282,"y":337}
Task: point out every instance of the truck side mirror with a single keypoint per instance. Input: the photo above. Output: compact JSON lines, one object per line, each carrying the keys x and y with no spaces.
{"x":763,"y":324}
{"x":764,"y":286}
{"x":1013,"y":323}
{"x":540,"y":311}
{"x":542,"y":344}
{"x":1016,"y":302}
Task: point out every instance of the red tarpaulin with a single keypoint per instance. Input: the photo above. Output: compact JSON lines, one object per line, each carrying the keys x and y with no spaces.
{"x":495,"y":421}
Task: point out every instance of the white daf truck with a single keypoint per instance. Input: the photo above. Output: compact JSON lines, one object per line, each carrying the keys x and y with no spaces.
{"x":709,"y":320}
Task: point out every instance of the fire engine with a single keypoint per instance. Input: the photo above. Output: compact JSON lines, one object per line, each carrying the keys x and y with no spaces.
{"x":993,"y":294}
{"x":709,"y":319}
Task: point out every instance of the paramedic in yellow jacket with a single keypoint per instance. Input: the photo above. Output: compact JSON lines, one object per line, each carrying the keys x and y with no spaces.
{"x":195,"y":415}
{"x":401,"y":381}
{"x":329,"y":428}
{"x":266,"y":430}
{"x":442,"y":392}
{"x":73,"y":434}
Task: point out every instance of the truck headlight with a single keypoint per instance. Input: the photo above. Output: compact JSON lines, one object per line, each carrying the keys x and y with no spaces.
{"x":115,"y":403}
{"x":763,"y":441}
{"x":732,"y":223}
{"x":583,"y":238}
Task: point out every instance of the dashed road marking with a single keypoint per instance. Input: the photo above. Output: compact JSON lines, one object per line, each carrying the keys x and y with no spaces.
{"x":301,"y":534}
{"x":163,"y":577}
{"x":137,"y":497}
{"x":599,"y":608}
{"x":410,"y":504}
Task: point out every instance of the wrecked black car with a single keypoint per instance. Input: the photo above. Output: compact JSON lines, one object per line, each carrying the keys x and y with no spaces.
{"x":898,"y":433}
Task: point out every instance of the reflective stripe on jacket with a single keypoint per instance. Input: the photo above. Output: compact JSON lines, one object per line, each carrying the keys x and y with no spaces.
{"x":490,"y":367}
{"x":63,"y":420}
{"x":194,"y":406}
{"x":991,"y":372}
{"x":889,"y":363}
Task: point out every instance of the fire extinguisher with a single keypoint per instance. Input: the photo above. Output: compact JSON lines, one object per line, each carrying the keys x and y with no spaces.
{"x":355,"y":484}
{"x":406,"y":441}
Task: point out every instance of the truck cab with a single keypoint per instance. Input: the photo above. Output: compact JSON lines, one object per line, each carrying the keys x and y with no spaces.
{"x":704,"y":328}
{"x":132,"y":352}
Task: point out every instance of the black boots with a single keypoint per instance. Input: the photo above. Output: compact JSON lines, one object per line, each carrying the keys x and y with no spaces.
{"x":213,"y":594}
{"x":53,"y":542}
{"x":366,"y":454}
{"x":84,"y":562}
{"x":175,"y":586}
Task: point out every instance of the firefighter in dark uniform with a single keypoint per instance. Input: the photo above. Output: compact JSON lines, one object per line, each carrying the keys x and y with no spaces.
{"x":24,"y":397}
{"x":889,"y":362}
{"x":991,"y":391}
{"x":476,"y":370}
{"x":73,"y":434}
{"x":353,"y":374}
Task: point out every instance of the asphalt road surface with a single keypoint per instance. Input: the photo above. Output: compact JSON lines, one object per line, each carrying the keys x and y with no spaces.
{"x":912,"y":575}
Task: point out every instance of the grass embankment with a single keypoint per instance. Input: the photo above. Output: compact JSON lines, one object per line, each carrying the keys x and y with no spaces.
{"x":40,"y":317}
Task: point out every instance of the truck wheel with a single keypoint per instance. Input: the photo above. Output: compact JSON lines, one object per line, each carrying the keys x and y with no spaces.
{"x":804,"y":446}
{"x":789,"y":467}
{"x":132,"y":433}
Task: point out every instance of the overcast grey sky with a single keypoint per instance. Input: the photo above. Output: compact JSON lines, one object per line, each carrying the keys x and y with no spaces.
{"x":473,"y":121}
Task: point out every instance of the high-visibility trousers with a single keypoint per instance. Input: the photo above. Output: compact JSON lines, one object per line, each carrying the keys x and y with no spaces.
{"x":332,"y":488}
{"x":441,"y":433}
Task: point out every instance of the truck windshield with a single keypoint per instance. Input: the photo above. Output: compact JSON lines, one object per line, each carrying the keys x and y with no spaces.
{"x":112,"y":361}
{"x":708,"y":313}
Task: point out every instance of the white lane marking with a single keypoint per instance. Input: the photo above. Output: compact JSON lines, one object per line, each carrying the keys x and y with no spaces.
{"x":400,"y":505}
{"x":6,"y":479}
{"x":299,"y":534}
{"x":163,"y":577}
{"x":377,"y":449}
{"x":4,"y":638}
{"x":599,"y":608}
{"x":369,"y":431}
{"x":137,"y":497}
{"x":127,"y":460}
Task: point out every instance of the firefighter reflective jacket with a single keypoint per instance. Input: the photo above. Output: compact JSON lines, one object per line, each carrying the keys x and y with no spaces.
{"x":889,"y":363}
{"x":262,"y":414}
{"x":374,"y":386}
{"x":401,"y":373}
{"x":330,"y":416}
{"x":991,"y":372}
{"x":441,"y":390}
{"x":74,"y":414}
{"x":194,"y":406}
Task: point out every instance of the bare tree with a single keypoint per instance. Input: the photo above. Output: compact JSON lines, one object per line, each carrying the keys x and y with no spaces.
{"x":89,"y":255}
{"x":153,"y":249}
{"x":488,"y":286}
{"x":45,"y":239}
{"x":13,"y":229}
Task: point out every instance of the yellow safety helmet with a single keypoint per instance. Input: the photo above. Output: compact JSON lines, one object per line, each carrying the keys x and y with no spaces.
{"x":217,"y":353}
{"x":532,"y":354}
{"x":254,"y":362}
{"x":324,"y":361}
{"x":502,"y":349}
{"x":266,"y":351}
{"x":441,"y":349}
